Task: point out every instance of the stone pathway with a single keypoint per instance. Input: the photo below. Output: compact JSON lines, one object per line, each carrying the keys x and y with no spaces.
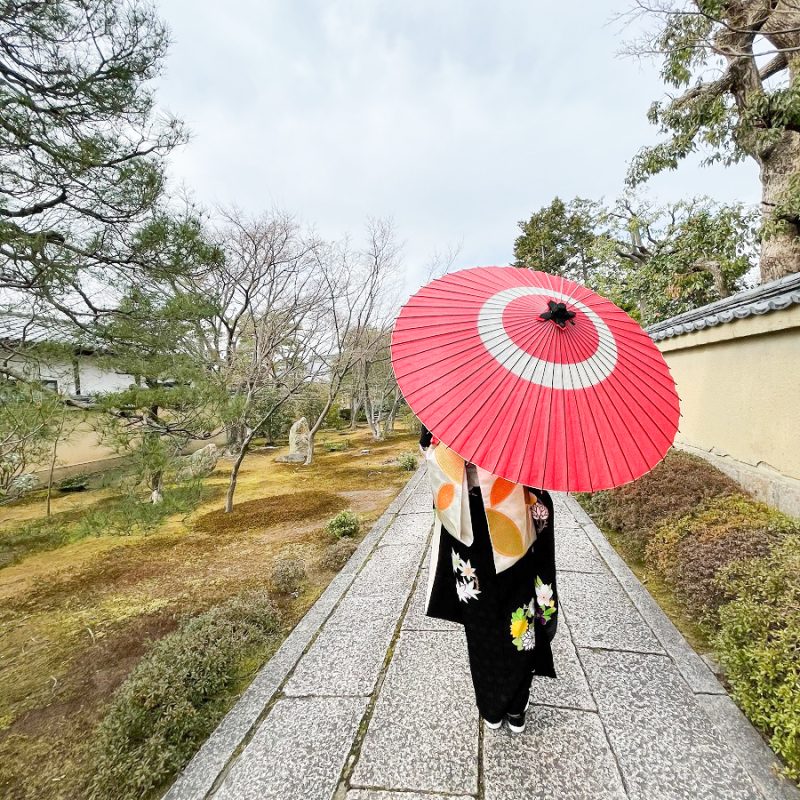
{"x":368,"y":699}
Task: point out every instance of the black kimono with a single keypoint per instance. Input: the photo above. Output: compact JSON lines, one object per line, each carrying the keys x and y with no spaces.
{"x":511,"y":620}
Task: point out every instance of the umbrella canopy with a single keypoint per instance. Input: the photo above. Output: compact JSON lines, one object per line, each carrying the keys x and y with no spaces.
{"x":535,"y":378}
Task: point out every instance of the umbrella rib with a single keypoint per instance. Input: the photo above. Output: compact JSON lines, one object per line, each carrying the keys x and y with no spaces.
{"x":548,"y":333}
{"x":497,"y":366}
{"x":500,"y":365}
{"x":594,"y":391}
{"x":624,"y":370}
{"x":570,"y":367}
{"x":610,"y":385}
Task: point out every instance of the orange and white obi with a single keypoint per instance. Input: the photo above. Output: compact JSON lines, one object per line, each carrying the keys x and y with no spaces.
{"x":507,"y":506}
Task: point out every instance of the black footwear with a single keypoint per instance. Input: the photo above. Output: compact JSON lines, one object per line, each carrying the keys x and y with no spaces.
{"x":493,"y":725}
{"x":516,"y":722}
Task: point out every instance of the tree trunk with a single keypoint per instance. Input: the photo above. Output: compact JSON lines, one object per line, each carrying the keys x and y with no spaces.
{"x":235,"y":476}
{"x":355,"y":408}
{"x":780,"y":167}
{"x":312,"y":431}
{"x":393,"y":412}
{"x":157,"y":487}
{"x":374,"y":424}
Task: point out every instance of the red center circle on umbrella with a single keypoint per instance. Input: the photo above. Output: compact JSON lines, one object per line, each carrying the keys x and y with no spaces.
{"x":544,"y":338}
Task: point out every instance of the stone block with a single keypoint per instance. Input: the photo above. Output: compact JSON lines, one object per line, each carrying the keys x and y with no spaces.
{"x":666,"y":746}
{"x":346,"y":657}
{"x":575,"y":552}
{"x":569,"y":689}
{"x":380,"y":794}
{"x":423,"y":735}
{"x":600,"y":614}
{"x":409,"y":530}
{"x":297,"y":752}
{"x":415,"y":618}
{"x":561,"y":755}
{"x":419,"y":501}
{"x":390,"y":570}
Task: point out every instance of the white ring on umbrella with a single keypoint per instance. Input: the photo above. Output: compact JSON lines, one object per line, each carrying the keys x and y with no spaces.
{"x":552,"y":374}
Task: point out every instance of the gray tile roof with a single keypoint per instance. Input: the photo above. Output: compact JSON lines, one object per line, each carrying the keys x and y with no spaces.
{"x":25,"y":329}
{"x":772,"y":296}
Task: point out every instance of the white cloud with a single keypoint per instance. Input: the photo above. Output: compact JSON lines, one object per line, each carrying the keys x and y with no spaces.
{"x":457,"y":118}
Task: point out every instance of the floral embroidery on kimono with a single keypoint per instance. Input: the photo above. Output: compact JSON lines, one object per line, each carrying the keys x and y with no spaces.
{"x":466,"y":580}
{"x":542,"y":607}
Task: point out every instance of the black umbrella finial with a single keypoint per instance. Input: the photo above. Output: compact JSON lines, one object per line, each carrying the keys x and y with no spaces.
{"x":558,"y":313}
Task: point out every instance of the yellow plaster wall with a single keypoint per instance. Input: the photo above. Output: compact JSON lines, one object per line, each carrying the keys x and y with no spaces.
{"x":739,"y":385}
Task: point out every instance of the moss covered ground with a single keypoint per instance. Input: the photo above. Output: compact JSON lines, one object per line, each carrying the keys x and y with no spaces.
{"x":84,"y":596}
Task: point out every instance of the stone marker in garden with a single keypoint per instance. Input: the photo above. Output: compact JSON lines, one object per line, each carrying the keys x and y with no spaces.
{"x":299,"y":441}
{"x":200,"y":463}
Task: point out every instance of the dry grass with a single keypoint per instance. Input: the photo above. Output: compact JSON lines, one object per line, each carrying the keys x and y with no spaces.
{"x":76,"y":619}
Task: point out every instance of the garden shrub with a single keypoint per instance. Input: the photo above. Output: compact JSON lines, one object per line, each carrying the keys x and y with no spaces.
{"x":338,"y":554}
{"x":288,"y":575}
{"x":408,"y":462}
{"x":758,"y":644}
{"x":674,"y":488}
{"x":177,"y":694}
{"x":690,"y":552}
{"x":343,"y":525}
{"x":338,"y":447}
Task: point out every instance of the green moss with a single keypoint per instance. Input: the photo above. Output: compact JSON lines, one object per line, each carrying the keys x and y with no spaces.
{"x":118,"y":516}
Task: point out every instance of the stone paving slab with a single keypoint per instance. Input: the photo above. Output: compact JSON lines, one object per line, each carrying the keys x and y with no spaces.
{"x":569,"y":689}
{"x":694,"y":670}
{"x":409,"y":529}
{"x":298,"y":752}
{"x":373,"y":794}
{"x":665,"y":744}
{"x":600,"y":614}
{"x":416,"y":619}
{"x":423,"y":735}
{"x":576,"y":553}
{"x":419,"y":503}
{"x":561,"y":755}
{"x":390,"y":570}
{"x":345,"y":659}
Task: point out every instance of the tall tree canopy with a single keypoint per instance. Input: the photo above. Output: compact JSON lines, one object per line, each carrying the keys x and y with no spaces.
{"x":558,"y":239}
{"x":737,"y":64}
{"x":653,"y":261}
{"x":81,"y":147}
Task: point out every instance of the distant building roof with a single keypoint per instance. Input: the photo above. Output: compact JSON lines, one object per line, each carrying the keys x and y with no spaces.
{"x":23,"y":329}
{"x":772,"y":296}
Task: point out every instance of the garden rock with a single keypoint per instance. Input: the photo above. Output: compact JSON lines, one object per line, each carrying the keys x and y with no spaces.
{"x":299,"y":443}
{"x":199,"y":464}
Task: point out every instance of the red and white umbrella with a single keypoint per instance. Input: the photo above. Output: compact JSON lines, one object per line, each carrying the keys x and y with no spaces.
{"x":535,"y":378}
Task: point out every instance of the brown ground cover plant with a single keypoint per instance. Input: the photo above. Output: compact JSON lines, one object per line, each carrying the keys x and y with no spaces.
{"x":268,"y":511}
{"x":674,"y":488}
{"x":691,"y":551}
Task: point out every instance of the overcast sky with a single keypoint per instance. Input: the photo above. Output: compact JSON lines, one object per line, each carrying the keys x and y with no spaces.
{"x":457,"y":118}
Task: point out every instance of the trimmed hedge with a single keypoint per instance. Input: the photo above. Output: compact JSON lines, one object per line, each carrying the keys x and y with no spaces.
{"x":758,"y":644}
{"x":177,"y":694}
{"x":691,"y":551}
{"x":674,"y":488}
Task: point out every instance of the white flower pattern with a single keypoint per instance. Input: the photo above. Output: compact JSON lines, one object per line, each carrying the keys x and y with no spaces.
{"x":466,"y":579}
{"x":467,"y":570}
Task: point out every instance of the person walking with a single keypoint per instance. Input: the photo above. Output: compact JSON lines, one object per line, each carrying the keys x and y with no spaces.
{"x":493,"y":571}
